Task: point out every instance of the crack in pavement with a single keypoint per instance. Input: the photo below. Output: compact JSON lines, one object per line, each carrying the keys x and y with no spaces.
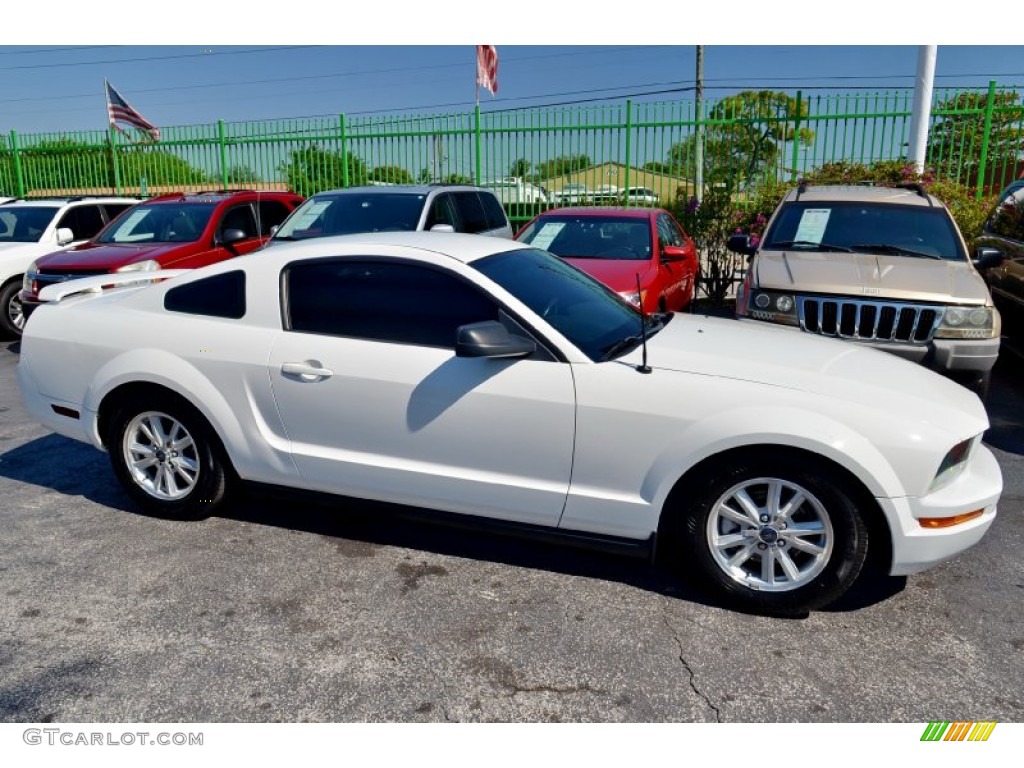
{"x":689,"y":670}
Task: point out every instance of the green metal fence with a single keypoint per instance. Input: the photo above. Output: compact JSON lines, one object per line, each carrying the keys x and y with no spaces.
{"x":975,"y":139}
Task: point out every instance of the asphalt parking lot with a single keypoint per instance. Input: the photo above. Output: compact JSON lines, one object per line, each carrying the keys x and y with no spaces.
{"x":289,"y":612}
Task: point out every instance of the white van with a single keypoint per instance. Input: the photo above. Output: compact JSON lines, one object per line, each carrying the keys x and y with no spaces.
{"x":515,"y":190}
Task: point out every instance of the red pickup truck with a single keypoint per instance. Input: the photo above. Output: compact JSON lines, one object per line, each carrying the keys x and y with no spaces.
{"x":178,"y":231}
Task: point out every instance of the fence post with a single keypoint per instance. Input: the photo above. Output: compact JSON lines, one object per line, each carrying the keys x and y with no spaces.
{"x":796,"y":136}
{"x":344,"y":151}
{"x":19,"y":177}
{"x":222,"y":139}
{"x":629,"y":147}
{"x":113,"y":160}
{"x":478,"y":170}
{"x":990,"y":105}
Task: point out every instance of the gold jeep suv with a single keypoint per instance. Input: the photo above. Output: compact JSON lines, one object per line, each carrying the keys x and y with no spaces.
{"x":881,"y":266}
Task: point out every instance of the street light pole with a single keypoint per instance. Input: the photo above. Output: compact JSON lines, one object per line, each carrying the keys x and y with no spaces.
{"x":921,"y":116}
{"x":699,"y":149}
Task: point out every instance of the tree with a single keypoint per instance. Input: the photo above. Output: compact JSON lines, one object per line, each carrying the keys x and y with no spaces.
{"x":242,"y":174}
{"x":560,"y":166}
{"x":955,"y":141}
{"x":745,"y":146}
{"x":391,"y":174}
{"x":456,"y":178}
{"x":65,"y":163}
{"x":313,"y":169}
{"x":520,"y":168}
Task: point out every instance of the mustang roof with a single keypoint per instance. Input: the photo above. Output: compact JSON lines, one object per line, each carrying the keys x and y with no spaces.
{"x":463,"y":247}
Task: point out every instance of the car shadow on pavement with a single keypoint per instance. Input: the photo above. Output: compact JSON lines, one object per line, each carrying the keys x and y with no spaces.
{"x":76,"y":469}
{"x":1005,"y":405}
{"x":66,"y":466}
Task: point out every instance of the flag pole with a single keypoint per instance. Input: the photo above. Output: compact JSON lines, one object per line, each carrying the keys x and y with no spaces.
{"x":110,"y":140}
{"x":476,"y":120}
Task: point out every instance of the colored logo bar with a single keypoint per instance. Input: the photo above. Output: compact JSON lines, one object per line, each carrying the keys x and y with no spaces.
{"x":944,"y":730}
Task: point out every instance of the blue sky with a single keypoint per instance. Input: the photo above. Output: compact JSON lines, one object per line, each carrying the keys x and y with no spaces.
{"x":320,"y":58}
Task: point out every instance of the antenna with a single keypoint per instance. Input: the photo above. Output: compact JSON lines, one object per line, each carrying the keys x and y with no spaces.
{"x":643,"y":367}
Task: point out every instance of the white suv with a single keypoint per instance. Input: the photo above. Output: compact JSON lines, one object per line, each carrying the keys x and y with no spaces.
{"x":396,"y":208}
{"x":33,"y":228}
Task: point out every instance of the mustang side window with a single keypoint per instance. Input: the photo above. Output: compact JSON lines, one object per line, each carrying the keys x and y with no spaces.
{"x":381,"y":301}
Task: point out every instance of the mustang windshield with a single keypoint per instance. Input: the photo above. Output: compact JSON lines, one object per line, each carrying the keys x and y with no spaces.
{"x":890,"y":230}
{"x":583,"y":310}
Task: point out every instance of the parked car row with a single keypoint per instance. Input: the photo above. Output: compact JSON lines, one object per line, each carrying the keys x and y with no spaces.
{"x":379,"y":347}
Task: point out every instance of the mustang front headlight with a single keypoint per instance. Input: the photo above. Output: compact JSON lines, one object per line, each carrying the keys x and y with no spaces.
{"x":952,"y":464}
{"x":141,"y":266}
{"x":773,"y":306}
{"x":969,"y":323}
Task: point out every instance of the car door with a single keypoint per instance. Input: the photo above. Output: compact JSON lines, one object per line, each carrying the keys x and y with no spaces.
{"x":677,"y":273}
{"x":84,"y":221}
{"x":376,"y":404}
{"x":239,"y":216}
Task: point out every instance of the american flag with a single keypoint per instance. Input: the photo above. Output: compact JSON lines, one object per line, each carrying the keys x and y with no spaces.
{"x":487,"y":68}
{"x":120,"y":111}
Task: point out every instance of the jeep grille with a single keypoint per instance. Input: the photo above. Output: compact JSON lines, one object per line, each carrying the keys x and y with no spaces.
{"x":868,"y":320}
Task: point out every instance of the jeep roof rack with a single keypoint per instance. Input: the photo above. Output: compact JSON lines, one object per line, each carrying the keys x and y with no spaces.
{"x":913,"y":186}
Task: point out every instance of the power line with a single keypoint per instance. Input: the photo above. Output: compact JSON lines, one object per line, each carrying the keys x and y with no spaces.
{"x":23,"y":52}
{"x":297,"y":78}
{"x":156,"y":58}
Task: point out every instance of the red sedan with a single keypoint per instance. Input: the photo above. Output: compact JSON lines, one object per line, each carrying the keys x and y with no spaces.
{"x":615,"y":245}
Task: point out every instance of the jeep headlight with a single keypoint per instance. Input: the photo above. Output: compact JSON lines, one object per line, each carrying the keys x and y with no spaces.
{"x":772,"y":306}
{"x":969,"y":323}
{"x":149,"y":265}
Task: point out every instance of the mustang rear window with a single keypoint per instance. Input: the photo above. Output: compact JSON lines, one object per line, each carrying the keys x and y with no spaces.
{"x":217,"y":296}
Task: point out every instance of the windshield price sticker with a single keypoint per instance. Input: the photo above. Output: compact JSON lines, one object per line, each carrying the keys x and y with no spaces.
{"x":311,"y":214}
{"x":547,"y":233}
{"x":812,"y":225}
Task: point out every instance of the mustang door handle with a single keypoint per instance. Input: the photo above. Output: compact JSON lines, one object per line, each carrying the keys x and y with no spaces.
{"x":307,"y":371}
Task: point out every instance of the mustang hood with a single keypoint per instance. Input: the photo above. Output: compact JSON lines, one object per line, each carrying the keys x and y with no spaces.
{"x":98,"y":256}
{"x":842,"y":370}
{"x":617,"y":274}
{"x":866,"y":275}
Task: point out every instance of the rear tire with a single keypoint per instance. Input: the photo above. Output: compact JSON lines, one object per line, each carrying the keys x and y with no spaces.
{"x":12,"y":318}
{"x":167,"y":457}
{"x":776,"y":536}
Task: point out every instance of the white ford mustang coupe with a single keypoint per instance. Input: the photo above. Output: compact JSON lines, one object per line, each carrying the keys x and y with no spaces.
{"x":486,"y":378}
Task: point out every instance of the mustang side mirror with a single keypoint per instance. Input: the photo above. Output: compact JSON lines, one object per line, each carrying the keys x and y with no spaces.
{"x":65,"y":236}
{"x":490,"y":339}
{"x":987,"y":258}
{"x":442,"y":228}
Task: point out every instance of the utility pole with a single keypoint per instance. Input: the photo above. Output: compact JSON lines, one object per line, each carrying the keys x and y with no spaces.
{"x":699,"y":149}
{"x":921,"y":116}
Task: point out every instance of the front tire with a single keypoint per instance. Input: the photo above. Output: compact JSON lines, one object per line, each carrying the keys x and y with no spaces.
{"x":167,"y":458}
{"x":774,"y":535}
{"x":12,"y":317}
